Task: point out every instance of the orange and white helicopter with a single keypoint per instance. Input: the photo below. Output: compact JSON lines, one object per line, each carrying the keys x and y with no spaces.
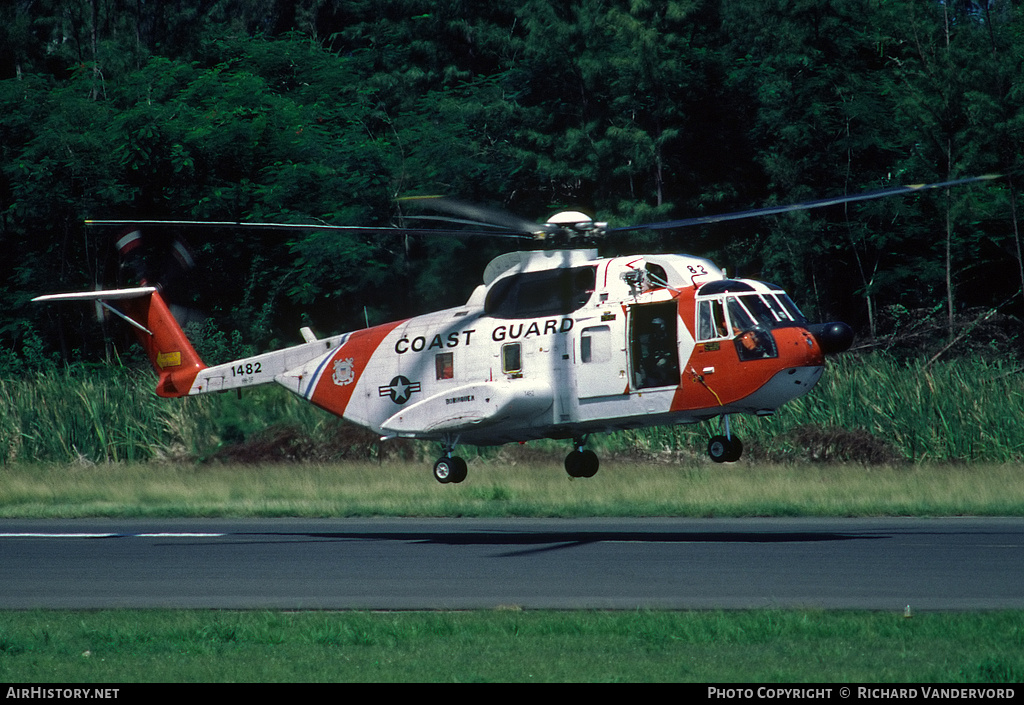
{"x":555,"y":343}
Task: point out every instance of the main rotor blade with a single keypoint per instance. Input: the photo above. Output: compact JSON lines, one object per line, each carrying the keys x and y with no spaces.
{"x":481,"y":215}
{"x":494,"y":228}
{"x":227,"y":224}
{"x":806,"y":205}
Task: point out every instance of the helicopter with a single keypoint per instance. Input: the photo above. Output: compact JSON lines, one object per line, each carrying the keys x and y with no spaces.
{"x":555,"y":342}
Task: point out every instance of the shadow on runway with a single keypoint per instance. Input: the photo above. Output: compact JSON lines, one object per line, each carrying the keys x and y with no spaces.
{"x":526,"y":542}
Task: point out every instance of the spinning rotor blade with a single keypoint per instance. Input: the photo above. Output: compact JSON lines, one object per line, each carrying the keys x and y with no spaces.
{"x":229,"y":224}
{"x":497,"y":223}
{"x":806,"y":205}
{"x":161,"y":262}
{"x":473,"y":214}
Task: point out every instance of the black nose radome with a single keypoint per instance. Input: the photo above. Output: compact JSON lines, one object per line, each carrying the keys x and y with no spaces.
{"x":833,"y":337}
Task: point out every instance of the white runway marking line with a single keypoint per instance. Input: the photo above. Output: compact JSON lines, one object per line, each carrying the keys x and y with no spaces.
{"x":161,"y":535}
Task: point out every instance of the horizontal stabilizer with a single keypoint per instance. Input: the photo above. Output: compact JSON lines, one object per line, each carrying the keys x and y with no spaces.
{"x":106,"y":295}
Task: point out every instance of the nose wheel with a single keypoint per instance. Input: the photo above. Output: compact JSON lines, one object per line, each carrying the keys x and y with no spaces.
{"x":722,"y":449}
{"x":725,"y":447}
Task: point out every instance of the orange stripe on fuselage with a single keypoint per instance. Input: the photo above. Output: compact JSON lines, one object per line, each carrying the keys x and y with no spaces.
{"x":360,"y":347}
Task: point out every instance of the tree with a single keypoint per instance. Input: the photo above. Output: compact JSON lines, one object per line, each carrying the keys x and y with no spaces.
{"x":810,"y":69}
{"x":633,"y":110}
{"x":944,"y":82}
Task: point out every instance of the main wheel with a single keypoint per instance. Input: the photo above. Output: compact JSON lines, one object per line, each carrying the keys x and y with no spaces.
{"x":574,"y":464}
{"x":590,"y":463}
{"x":450,"y":470}
{"x":582,"y":463}
{"x":725,"y":450}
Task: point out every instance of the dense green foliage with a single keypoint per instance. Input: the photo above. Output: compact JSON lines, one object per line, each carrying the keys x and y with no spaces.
{"x":323,"y":110}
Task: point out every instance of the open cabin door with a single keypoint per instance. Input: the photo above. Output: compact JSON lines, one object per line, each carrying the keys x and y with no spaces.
{"x":653,"y":345}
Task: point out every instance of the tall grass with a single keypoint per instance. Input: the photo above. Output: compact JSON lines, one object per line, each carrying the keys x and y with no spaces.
{"x":866,"y":408}
{"x":872,"y":408}
{"x":78,"y":414}
{"x":108,"y":414}
{"x":961,"y":410}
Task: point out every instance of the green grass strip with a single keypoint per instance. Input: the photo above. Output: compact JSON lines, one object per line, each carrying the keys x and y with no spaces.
{"x":507,"y":646}
{"x":499,"y":487}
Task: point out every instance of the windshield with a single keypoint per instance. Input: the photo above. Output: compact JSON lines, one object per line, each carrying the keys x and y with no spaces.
{"x":730,"y":315}
{"x":791,"y":307}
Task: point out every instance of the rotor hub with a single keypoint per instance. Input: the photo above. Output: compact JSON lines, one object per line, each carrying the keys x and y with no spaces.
{"x":577,"y":223}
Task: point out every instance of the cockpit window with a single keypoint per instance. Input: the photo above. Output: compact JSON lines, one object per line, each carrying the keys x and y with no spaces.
{"x":791,"y":307}
{"x":711,"y":321}
{"x":730,"y":315}
{"x":767,"y":310}
{"x":739,"y":315}
{"x":724,"y":285}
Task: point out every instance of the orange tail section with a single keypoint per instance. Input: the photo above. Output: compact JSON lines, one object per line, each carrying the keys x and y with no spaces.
{"x":171,"y":354}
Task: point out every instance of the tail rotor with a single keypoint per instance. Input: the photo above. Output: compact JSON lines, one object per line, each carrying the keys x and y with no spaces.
{"x":161,"y":262}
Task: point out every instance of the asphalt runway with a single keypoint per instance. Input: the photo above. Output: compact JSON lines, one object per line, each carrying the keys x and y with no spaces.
{"x":879,"y":564}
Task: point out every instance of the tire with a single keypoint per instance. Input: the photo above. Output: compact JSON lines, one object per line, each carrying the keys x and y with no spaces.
{"x":582,"y":463}
{"x":590,"y":463}
{"x":735,"y":451}
{"x":574,"y":464}
{"x":725,"y":450}
{"x":461,"y":470}
{"x":450,"y":470}
{"x":443,"y":470}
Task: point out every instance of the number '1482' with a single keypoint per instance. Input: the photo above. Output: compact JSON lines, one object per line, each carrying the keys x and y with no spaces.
{"x":249,"y":368}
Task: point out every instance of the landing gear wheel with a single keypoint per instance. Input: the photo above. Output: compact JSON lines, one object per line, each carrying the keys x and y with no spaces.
{"x":450,"y":470}
{"x":582,"y":463}
{"x":725,"y":450}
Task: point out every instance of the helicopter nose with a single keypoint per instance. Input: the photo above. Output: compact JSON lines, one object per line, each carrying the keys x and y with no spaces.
{"x":834,"y":337}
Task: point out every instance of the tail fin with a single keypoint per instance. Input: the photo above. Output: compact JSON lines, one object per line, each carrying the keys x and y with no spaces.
{"x":169,"y":351}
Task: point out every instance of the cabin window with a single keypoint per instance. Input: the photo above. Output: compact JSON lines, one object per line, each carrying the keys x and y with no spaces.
{"x":444,"y":365}
{"x":511,"y":358}
{"x":596,"y":344}
{"x":656,"y":275}
{"x":550,"y":292}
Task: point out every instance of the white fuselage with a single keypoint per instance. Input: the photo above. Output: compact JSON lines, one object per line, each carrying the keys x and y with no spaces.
{"x":553,"y":344}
